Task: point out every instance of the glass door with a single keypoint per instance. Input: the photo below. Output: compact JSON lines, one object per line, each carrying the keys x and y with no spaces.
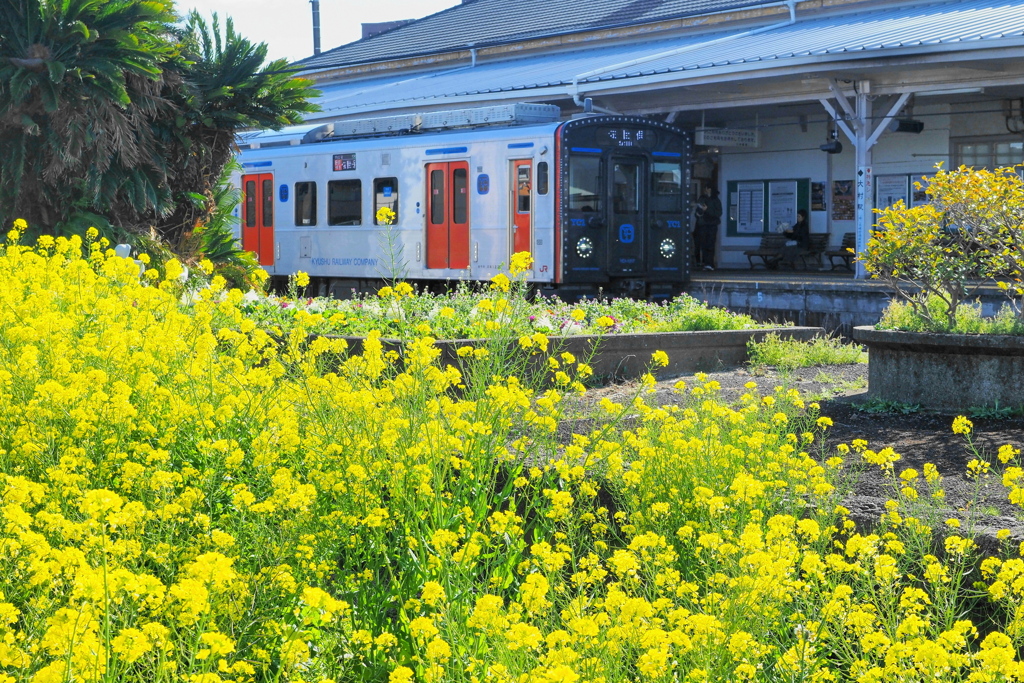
{"x":626,"y":252}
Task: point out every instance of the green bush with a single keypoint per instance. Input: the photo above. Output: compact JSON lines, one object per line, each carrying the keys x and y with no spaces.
{"x":792,"y":353}
{"x":936,"y":256}
{"x":900,"y":315}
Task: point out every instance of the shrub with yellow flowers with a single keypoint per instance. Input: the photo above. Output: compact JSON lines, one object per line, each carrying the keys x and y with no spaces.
{"x":936,"y":256}
{"x":187,"y":496}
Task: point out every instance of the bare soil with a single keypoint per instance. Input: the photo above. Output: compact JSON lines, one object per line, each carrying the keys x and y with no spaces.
{"x":919,"y":437}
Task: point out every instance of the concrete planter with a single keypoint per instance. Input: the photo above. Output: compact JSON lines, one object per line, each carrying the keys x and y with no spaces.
{"x":628,"y":356}
{"x":944,"y":372}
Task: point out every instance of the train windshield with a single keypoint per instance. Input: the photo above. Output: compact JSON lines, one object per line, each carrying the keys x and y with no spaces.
{"x":585,"y":183}
{"x":667,"y":187}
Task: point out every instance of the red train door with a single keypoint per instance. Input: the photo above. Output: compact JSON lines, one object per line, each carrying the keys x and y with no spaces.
{"x":522,"y":205}
{"x":258,"y":216}
{"x":448,"y":215}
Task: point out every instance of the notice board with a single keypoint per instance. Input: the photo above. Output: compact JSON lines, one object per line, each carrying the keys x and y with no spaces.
{"x":756,"y":207}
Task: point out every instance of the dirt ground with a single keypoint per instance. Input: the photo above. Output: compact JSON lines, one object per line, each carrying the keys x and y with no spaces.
{"x":919,"y":437}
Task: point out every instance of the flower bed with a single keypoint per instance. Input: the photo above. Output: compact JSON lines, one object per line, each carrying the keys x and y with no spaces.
{"x":184,"y":501}
{"x":401,"y":313}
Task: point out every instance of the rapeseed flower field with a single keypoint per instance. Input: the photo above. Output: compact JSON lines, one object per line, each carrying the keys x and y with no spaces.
{"x":188,"y":496}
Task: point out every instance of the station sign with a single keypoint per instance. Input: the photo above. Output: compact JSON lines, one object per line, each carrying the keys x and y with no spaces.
{"x":727,"y":137}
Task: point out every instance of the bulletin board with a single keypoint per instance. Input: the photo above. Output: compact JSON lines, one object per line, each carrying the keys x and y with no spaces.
{"x":756,"y":207}
{"x":890,"y":188}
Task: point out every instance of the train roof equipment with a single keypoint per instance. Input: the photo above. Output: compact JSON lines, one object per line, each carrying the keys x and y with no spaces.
{"x":518,"y":114}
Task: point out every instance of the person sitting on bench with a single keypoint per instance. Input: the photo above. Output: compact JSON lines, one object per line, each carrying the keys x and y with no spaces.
{"x":798,"y":239}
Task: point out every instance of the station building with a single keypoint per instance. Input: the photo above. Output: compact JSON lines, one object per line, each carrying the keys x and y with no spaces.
{"x":831,"y":106}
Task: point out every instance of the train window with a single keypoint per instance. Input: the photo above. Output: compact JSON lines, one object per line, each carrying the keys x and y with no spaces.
{"x":305,"y":203}
{"x":542,"y":177}
{"x":460,"y":195}
{"x":585,"y":183}
{"x":385,"y":195}
{"x":437,"y":197}
{"x":345,"y":202}
{"x":268,"y":203}
{"x":523,"y":189}
{"x":250,"y":203}
{"x":667,"y":187}
{"x":626,"y":192}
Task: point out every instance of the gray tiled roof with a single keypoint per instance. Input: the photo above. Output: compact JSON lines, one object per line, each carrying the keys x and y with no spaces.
{"x":490,"y":22}
{"x":906,"y":30}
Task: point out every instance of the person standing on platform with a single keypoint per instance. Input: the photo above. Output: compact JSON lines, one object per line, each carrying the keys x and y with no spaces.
{"x":709,"y":217}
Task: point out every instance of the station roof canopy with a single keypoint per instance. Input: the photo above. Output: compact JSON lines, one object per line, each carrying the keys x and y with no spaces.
{"x":901,"y":47}
{"x":481,"y":23}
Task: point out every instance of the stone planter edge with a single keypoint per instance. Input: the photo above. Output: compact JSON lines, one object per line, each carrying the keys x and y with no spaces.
{"x":950,"y":373}
{"x":628,"y":356}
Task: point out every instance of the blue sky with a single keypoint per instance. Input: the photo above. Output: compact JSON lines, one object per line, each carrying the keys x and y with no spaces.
{"x":286,"y":26}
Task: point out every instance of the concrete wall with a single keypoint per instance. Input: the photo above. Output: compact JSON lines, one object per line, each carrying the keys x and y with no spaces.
{"x":837,"y":305}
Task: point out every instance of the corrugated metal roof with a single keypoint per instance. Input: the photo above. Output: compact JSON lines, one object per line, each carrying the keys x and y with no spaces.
{"x":923,"y":28}
{"x":492,"y":22}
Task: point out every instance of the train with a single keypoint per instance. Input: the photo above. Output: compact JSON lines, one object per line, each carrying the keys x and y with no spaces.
{"x":600,"y":201}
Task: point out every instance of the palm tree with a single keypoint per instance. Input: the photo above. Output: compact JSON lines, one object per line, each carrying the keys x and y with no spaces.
{"x":79,"y":86}
{"x":108,"y":109}
{"x":219,"y":85}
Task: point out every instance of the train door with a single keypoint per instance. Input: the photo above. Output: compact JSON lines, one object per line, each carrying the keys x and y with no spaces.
{"x":448,"y":214}
{"x":522,"y":205}
{"x":628,"y":195}
{"x":258,"y":216}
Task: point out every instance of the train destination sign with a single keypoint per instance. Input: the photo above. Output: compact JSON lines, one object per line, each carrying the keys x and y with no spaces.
{"x":628,"y":137}
{"x":344,"y":162}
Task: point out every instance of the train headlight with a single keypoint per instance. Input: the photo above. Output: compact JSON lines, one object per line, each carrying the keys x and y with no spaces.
{"x":585,"y":247}
{"x":667,"y":248}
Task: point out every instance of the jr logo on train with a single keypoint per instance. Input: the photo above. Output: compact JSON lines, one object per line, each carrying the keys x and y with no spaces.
{"x":601,"y":202}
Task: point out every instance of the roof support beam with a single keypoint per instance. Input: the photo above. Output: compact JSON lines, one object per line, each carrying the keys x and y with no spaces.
{"x":863,"y":137}
{"x":841,"y":99}
{"x":840,"y":121}
{"x":895,"y":109}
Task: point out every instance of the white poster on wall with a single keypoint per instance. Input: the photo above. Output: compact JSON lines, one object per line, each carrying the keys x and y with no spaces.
{"x":749,"y":207}
{"x":919,"y":190}
{"x":781,"y":205}
{"x":890,"y":189}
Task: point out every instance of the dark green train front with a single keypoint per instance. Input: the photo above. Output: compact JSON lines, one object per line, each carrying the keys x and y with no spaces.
{"x":624,"y":206}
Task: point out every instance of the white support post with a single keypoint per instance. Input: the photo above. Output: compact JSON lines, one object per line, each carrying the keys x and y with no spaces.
{"x":863,"y":137}
{"x":864,"y":181}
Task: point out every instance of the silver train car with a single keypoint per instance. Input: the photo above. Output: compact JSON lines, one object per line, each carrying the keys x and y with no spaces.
{"x":601,"y":202}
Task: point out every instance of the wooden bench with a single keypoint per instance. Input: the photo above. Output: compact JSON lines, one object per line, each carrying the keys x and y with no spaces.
{"x":769,"y":251}
{"x":846,"y":251}
{"x":811,"y":256}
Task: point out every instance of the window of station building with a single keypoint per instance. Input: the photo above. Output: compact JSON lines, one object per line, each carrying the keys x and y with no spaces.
{"x":385,"y":195}
{"x":667,"y":187}
{"x":987,"y":153}
{"x":345,"y":202}
{"x":585,"y":180}
{"x":305,"y":204}
{"x":542,"y":177}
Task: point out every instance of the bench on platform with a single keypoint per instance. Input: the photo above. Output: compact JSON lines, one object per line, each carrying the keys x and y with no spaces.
{"x":846,"y":251}
{"x":811,"y":256}
{"x":769,"y":251}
